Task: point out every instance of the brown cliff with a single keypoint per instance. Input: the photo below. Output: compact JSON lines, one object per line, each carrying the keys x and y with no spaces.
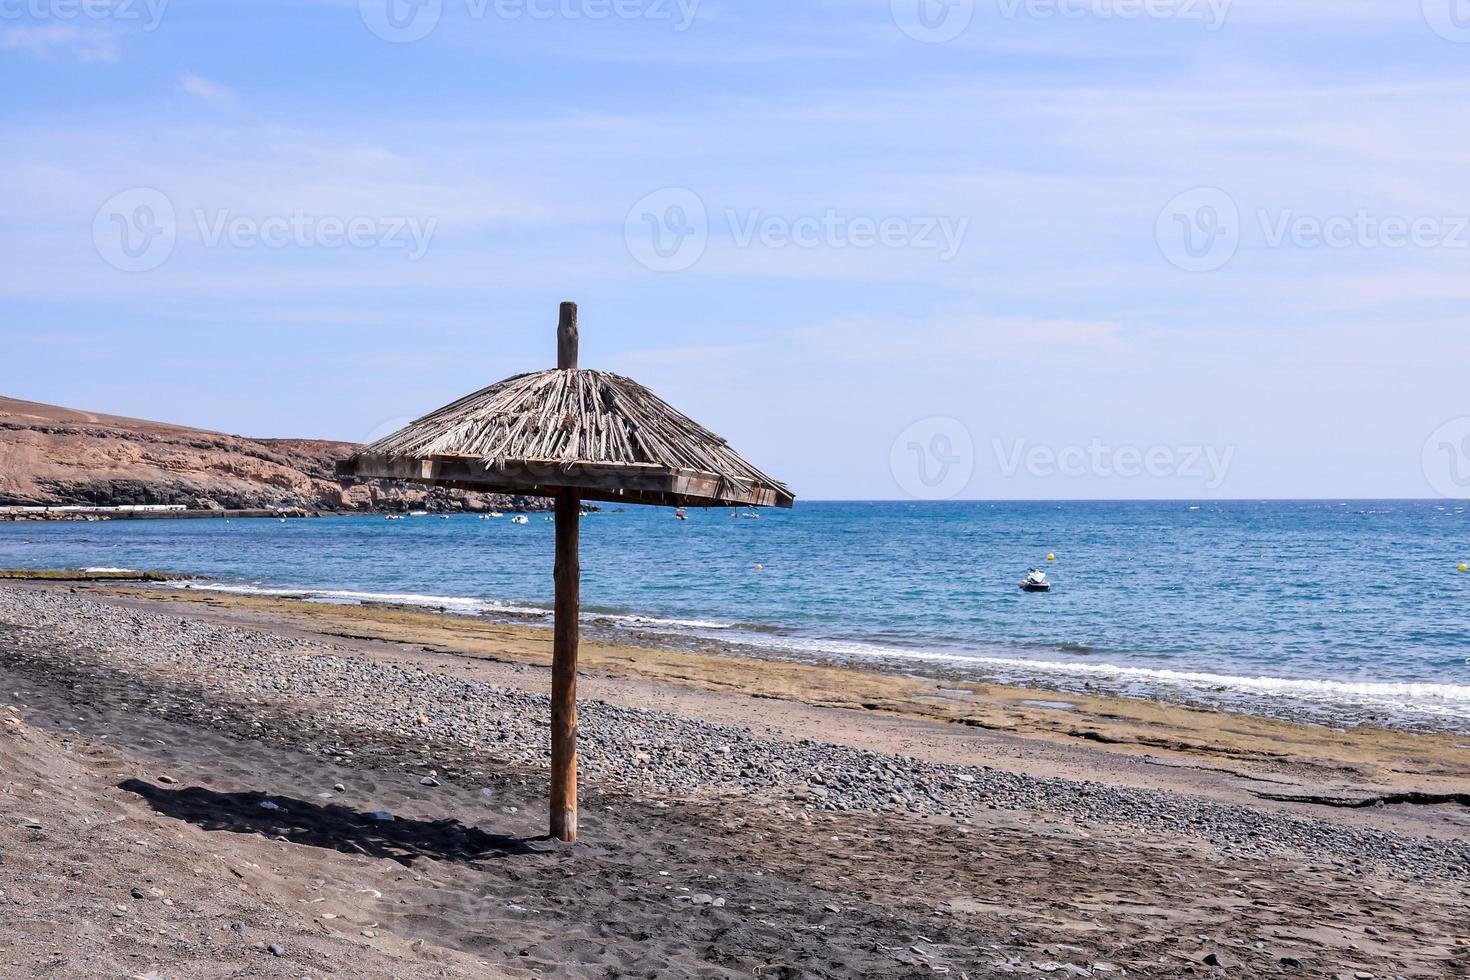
{"x":59,"y":456}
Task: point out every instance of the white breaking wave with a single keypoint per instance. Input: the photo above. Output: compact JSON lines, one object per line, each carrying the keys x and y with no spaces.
{"x":460,"y":604}
{"x":1440,"y":699}
{"x":1450,"y":701}
{"x":349,"y":597}
{"x":653,"y":622}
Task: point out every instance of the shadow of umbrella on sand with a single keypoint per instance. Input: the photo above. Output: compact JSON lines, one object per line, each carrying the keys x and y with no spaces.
{"x":571,"y":435}
{"x":331,"y":825}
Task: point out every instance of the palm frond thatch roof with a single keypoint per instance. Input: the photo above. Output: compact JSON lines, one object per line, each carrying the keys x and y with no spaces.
{"x":602,"y":434}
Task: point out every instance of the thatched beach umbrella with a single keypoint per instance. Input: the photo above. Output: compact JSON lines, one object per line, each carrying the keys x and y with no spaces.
{"x":572,"y":435}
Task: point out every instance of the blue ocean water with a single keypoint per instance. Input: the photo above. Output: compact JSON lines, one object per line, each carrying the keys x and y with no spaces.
{"x":1342,"y":611}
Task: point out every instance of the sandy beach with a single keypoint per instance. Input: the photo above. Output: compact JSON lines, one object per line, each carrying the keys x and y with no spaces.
{"x":202,"y":784}
{"x":658,"y":489}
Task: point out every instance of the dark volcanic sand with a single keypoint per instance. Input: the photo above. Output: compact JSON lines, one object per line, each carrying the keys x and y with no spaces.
{"x":463,"y":865}
{"x":461,"y":884}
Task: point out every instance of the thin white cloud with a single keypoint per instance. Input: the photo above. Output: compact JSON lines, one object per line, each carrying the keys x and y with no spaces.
{"x":676,"y":356}
{"x":62,"y":41}
{"x":954,"y":335}
{"x":208,"y":91}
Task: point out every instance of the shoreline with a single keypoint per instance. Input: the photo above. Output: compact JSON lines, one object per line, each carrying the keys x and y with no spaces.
{"x":1343,"y":765}
{"x":1333,"y":704}
{"x":1318,"y":701}
{"x":319,"y":789}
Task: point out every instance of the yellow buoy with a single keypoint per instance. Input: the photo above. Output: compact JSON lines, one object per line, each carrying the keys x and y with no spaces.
{"x":1464,"y":567}
{"x":1051,"y":557}
{"x":759,"y":567}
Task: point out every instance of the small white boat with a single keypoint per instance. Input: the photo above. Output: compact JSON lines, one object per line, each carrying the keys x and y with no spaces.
{"x":681,"y":515}
{"x":520,"y":519}
{"x":393,"y":517}
{"x":1035,"y":582}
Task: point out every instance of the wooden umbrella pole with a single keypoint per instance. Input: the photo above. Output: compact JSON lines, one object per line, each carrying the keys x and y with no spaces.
{"x":564,"y":669}
{"x":568,"y":575}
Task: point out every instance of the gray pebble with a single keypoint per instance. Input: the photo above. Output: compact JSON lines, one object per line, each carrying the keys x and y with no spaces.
{"x":639,"y":748}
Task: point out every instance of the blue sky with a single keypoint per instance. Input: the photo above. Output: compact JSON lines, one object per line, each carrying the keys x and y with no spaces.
{"x":975,"y":248}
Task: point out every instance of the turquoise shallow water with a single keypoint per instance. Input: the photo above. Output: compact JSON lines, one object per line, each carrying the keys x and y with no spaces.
{"x":1345,"y":611}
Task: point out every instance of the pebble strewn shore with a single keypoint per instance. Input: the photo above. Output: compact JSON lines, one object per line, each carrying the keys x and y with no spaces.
{"x":174,"y":659}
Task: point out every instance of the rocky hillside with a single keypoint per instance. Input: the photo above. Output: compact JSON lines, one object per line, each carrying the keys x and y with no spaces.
{"x":53,"y":456}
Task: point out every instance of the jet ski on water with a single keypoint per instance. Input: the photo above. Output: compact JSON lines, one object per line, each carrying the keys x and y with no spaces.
{"x":1036,"y":581}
